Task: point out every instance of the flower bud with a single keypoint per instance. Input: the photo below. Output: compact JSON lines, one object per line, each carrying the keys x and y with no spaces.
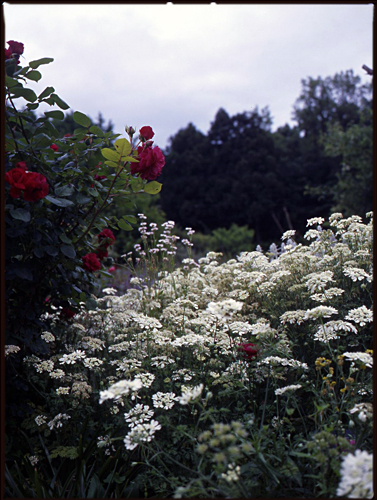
{"x":130,"y":131}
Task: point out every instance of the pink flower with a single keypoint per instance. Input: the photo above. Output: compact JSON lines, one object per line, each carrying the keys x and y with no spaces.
{"x":54,"y":147}
{"x":112,"y":269}
{"x":91,"y":262}
{"x":151,"y":162}
{"x":146,"y":133}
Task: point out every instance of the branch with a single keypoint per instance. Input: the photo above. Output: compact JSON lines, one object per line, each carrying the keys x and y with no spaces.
{"x":367,"y":69}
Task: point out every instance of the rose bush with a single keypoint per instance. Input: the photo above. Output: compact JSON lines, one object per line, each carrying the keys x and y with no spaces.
{"x":58,"y":231}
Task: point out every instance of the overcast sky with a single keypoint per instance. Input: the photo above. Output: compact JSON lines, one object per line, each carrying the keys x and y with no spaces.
{"x":169,"y":65}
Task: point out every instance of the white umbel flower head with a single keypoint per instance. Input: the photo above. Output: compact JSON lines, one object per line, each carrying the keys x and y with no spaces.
{"x":356,"y":476}
{"x":121,"y":388}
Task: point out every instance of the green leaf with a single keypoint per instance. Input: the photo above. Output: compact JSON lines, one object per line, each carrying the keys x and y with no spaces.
{"x":39,"y":252}
{"x":110,"y":154}
{"x":81,"y":119}
{"x":47,"y":91}
{"x":27,"y":94}
{"x":34,"y":75}
{"x":96,"y":131}
{"x":39,"y":62}
{"x":68,"y":251}
{"x":58,"y":115}
{"x":81,"y":199}
{"x":64,"y":190}
{"x":24,"y":273}
{"x":51,"y":250}
{"x":153,"y":187}
{"x":59,"y":102}
{"x":111,"y":164}
{"x":20,"y":214}
{"x":93,"y":192}
{"x":130,"y":218}
{"x":130,"y":158}
{"x":31,"y":105}
{"x":123,"y":224}
{"x":11,"y":82}
{"x":64,"y":238}
{"x":60,"y":202}
{"x":136,"y":184}
{"x":123,"y":147}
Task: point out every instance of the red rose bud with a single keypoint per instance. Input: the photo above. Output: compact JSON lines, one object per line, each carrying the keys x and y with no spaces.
{"x":21,"y":164}
{"x":112,"y":269}
{"x":248,"y":350}
{"x":151,"y":162}
{"x":130,"y":130}
{"x":91,"y":262}
{"x":146,"y":133}
{"x":16,"y":47}
{"x":54,"y":147}
{"x":106,"y":238}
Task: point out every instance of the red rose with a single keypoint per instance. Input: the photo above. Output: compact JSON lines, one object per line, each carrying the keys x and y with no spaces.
{"x":106,"y":238}
{"x":54,"y":147}
{"x":36,"y":186}
{"x":21,"y":164}
{"x":146,"y":133}
{"x":102,"y":254}
{"x":67,"y":313}
{"x":248,"y":350}
{"x":16,"y":47}
{"x":91,"y":262}
{"x":151,"y":162}
{"x":8,"y":53}
{"x":15,"y":178}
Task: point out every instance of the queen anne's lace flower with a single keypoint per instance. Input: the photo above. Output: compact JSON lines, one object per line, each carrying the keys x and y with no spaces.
{"x":356,"y":476}
{"x":190,"y":394}
{"x":279,"y":392}
{"x":119,"y":389}
{"x":361,"y":315}
{"x":143,"y":432}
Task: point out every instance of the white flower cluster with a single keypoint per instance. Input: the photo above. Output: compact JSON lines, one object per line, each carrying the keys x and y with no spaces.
{"x":363,"y":357}
{"x":356,"y":475}
{"x":138,"y":414}
{"x":190,"y":394}
{"x":119,"y":389}
{"x":361,"y":315}
{"x":279,"y":392}
{"x":143,"y":432}
{"x":164,"y":400}
{"x":57,"y":421}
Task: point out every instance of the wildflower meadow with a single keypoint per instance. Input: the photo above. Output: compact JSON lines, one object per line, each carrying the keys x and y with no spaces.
{"x":206,"y":378}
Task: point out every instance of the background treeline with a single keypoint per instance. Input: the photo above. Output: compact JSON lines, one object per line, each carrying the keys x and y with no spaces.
{"x":241,"y":184}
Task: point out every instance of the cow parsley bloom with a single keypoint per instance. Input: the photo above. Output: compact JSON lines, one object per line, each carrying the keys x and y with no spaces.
{"x":363,"y":357}
{"x":143,"y":432}
{"x":361,"y":315}
{"x":163,"y":400}
{"x":356,"y":475}
{"x":119,"y":389}
{"x":189,"y":394}
{"x":279,"y":392}
{"x":138,"y":414}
